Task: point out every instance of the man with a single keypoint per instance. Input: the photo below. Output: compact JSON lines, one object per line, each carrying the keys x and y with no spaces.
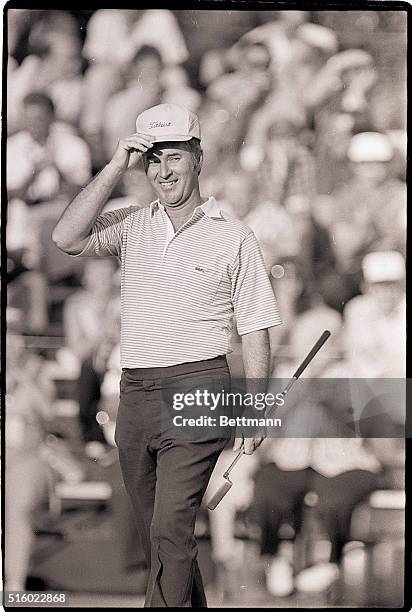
{"x":378,"y":349}
{"x":142,"y":88}
{"x":187,"y":270}
{"x":46,"y":158}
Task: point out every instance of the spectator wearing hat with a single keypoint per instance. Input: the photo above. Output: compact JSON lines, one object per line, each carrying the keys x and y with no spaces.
{"x":187,"y":271}
{"x":373,"y":196}
{"x":375,"y":321}
{"x":361,"y":209}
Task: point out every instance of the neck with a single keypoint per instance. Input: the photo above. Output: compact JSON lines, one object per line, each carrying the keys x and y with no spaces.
{"x":182,"y":213}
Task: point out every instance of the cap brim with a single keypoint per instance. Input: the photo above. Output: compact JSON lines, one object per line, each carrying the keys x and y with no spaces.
{"x":172,"y":138}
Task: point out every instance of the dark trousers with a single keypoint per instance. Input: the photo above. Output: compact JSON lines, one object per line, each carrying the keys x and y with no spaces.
{"x":279,"y":495}
{"x":166,"y":471}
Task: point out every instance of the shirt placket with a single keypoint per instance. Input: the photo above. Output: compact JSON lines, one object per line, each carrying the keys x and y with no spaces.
{"x":170,"y":232}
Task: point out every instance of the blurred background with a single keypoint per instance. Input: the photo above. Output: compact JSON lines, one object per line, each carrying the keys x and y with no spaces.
{"x":303,"y":130}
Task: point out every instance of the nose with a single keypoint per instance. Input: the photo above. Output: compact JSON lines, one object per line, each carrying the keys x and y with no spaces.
{"x":164,"y":170}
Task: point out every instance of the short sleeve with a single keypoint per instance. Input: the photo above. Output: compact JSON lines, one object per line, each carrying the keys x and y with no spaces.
{"x":107,"y":233}
{"x":254,"y":303}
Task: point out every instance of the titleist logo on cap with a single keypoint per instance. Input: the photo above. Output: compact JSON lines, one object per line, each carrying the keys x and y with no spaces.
{"x":158,"y":124}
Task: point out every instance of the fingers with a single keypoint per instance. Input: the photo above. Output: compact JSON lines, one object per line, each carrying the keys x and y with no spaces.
{"x":129,"y":150}
{"x":138,"y":142}
{"x":238,"y":444}
{"x":248,"y":446}
{"x":258,"y":441}
{"x":251,"y":444}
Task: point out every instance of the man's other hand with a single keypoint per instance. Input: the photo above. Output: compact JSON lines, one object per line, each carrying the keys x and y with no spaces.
{"x":249,"y":444}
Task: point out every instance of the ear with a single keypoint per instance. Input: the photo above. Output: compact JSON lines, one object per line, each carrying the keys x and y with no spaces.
{"x":200,"y":163}
{"x":145,"y":163}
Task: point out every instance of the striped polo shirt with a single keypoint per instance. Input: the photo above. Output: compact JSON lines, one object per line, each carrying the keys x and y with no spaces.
{"x":181,"y":291}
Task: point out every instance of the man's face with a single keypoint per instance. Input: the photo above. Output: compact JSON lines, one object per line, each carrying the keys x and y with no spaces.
{"x":172,"y":172}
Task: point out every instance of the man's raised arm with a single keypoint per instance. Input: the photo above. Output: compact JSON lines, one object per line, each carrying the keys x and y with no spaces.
{"x":72,"y":232}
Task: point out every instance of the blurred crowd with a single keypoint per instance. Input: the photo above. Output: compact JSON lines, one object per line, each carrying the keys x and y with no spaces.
{"x":299,"y":143}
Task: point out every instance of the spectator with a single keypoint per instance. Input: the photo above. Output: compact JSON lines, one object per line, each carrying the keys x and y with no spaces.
{"x":113,"y":39}
{"x":32,"y":460}
{"x":230,"y":100}
{"x":361,"y":210}
{"x":177,"y":90}
{"x":45,"y":159}
{"x":28,"y":409}
{"x":26,"y":285}
{"x":314,"y":254}
{"x":340,"y":471}
{"x":377,"y":349}
{"x":312,"y":46}
{"x":338,"y":104}
{"x":114,"y":36}
{"x":381,"y":194}
{"x":66,"y":88}
{"x":278,"y":36}
{"x":54,"y":56}
{"x":316,"y":452}
{"x":143,"y":89}
{"x":91,"y":323}
{"x":148,"y":82}
{"x":48,"y":26}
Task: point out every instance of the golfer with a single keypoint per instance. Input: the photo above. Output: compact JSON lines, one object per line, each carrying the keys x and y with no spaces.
{"x":187,"y":272}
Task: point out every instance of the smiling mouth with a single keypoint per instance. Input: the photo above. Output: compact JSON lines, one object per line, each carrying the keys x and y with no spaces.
{"x":168,"y":184}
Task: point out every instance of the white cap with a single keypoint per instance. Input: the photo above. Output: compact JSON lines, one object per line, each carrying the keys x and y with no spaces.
{"x":383,"y":266}
{"x":370,"y":147}
{"x":169,"y":122}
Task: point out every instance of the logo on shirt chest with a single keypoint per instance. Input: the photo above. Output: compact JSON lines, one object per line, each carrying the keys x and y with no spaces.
{"x":200,"y":283}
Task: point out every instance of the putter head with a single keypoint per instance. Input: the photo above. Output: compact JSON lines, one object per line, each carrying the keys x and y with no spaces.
{"x":219,"y":495}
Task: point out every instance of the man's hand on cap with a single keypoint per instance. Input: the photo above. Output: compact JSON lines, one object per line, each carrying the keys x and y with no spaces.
{"x":129,"y":151}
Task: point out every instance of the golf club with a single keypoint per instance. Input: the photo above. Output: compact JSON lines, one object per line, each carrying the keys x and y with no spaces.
{"x":224,"y":489}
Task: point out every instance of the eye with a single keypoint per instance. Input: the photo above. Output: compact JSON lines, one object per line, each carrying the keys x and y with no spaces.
{"x":174,"y":158}
{"x":153,"y":160}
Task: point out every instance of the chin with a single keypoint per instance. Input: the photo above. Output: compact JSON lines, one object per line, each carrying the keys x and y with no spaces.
{"x":170,"y":200}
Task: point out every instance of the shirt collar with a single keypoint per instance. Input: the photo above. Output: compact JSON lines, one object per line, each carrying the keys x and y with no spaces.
{"x":210,"y":208}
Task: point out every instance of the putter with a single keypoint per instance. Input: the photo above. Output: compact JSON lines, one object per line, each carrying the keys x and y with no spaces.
{"x":226,"y":486}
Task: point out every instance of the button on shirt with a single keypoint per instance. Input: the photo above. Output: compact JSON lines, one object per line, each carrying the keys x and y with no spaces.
{"x":180,"y":291}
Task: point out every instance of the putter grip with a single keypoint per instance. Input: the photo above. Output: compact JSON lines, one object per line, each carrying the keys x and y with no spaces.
{"x":316,"y":347}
